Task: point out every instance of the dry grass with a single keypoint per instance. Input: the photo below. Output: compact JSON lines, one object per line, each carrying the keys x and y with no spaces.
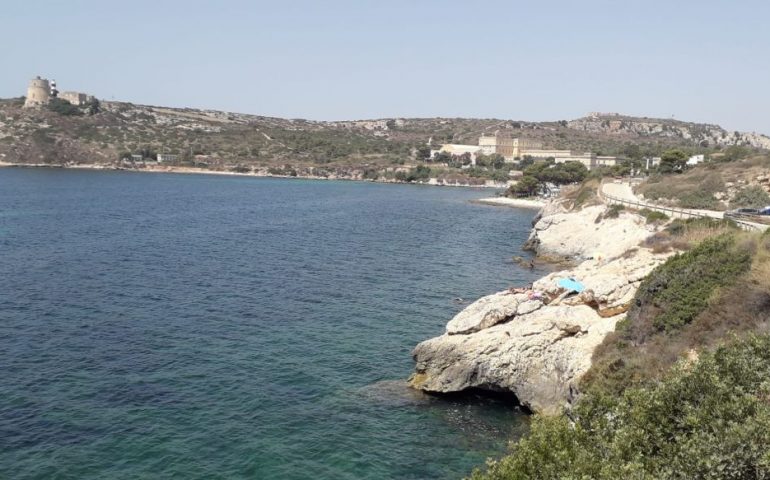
{"x":635,"y":353}
{"x":682,"y":235}
{"x":583,"y":195}
{"x":696,"y":187}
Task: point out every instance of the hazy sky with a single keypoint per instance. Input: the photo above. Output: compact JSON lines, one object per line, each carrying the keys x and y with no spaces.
{"x":536,"y":60}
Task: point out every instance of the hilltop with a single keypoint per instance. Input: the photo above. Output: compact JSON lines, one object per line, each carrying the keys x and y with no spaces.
{"x":234,"y":141}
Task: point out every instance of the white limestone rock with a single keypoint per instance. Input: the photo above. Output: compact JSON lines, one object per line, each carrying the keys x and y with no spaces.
{"x":577,"y":235}
{"x":506,"y":342}
{"x":485,"y":312}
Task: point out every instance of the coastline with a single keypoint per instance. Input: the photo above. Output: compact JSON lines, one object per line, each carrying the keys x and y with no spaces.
{"x":512,"y":202}
{"x":255,"y":173}
{"x":537,"y":341}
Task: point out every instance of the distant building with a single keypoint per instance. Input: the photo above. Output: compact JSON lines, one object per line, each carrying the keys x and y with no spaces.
{"x":513,"y":149}
{"x":696,"y":159}
{"x":457,"y":150}
{"x":76,"y":98}
{"x":606,"y":161}
{"x":167,"y":158}
{"x":136,"y":157}
{"x":508,"y":147}
{"x":38,"y":92}
{"x":588,"y":159}
{"x":651,"y":162}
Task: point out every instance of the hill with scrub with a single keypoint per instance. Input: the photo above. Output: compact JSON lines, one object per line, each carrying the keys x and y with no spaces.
{"x":113,"y":132}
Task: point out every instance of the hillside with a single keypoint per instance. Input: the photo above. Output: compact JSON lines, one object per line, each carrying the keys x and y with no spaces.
{"x":232,"y":141}
{"x":701,"y":134}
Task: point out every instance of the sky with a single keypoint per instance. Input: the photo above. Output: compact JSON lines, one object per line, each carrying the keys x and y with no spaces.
{"x":704,"y":61}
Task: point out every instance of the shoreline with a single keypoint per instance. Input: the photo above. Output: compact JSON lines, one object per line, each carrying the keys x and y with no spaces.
{"x":202,"y":171}
{"x":537,"y":341}
{"x":512,"y":202}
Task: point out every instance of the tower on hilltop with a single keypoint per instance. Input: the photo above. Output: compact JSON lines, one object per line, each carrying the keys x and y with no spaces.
{"x":38,"y":92}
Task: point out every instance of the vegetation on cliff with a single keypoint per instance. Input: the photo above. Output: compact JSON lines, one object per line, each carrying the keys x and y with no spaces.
{"x":706,"y":419}
{"x":681,"y":389}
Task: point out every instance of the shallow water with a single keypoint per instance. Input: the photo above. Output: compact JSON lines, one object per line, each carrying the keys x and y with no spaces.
{"x":194,"y":326}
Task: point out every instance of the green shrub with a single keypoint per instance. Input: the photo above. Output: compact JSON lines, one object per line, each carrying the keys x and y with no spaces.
{"x":661,"y":322}
{"x":653,"y":216}
{"x":750,"y":197}
{"x":613,"y":211}
{"x":702,"y":199}
{"x":675,"y":292}
{"x":63,"y":107}
{"x":709,"y":420}
{"x":680,"y":226}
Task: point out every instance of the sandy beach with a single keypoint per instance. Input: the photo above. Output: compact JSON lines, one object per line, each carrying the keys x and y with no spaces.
{"x":512,"y":202}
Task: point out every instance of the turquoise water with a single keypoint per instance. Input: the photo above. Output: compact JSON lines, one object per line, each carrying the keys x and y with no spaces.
{"x":186,"y":326}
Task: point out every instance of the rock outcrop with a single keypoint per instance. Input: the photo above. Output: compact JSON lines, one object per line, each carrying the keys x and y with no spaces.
{"x":538,"y":343}
{"x":701,"y":134}
{"x":577,"y":235}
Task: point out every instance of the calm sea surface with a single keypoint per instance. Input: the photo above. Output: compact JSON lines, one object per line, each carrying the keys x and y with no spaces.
{"x":190,"y":326}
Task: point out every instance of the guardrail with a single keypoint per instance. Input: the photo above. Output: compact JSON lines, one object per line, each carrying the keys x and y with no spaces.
{"x":673,"y":212}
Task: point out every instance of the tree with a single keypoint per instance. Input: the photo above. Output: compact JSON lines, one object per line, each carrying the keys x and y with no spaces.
{"x":735,"y":152}
{"x":93,"y":106}
{"x":443,"y":157}
{"x":526,"y":161}
{"x":526,"y":186}
{"x":672,"y":161}
{"x":495,"y":160}
{"x":423,"y":152}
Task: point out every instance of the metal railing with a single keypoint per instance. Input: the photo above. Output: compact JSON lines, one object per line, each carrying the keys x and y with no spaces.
{"x":673,"y":212}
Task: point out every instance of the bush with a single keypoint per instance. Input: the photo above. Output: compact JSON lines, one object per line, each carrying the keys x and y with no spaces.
{"x":750,"y":197}
{"x":709,"y":419}
{"x":653,"y":216}
{"x":63,"y":107}
{"x":661,"y":322}
{"x":702,"y":199}
{"x":675,"y":292}
{"x":613,"y":211}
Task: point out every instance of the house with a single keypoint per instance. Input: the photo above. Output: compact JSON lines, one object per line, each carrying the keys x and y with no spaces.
{"x":167,"y":158}
{"x":696,"y":159}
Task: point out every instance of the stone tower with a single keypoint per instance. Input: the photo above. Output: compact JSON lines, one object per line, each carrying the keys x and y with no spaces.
{"x":38,"y":92}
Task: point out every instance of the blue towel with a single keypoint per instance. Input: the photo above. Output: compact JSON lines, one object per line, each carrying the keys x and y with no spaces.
{"x":570,"y":284}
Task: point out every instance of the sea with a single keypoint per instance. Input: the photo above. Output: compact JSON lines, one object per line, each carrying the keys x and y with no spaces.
{"x":217,"y":327}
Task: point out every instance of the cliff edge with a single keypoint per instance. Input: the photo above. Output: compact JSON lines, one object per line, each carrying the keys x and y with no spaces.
{"x":537,"y":342}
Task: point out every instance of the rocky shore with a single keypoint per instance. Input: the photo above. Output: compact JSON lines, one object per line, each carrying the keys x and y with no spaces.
{"x":537,"y":341}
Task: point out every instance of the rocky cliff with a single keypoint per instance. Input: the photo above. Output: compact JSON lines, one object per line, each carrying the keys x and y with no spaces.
{"x":537,"y":342}
{"x":705,"y":135}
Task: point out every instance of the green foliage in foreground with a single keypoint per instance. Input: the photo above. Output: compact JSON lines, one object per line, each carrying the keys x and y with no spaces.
{"x":707,"y":420}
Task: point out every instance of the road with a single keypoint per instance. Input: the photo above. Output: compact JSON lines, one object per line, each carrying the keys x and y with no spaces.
{"x":623,"y":191}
